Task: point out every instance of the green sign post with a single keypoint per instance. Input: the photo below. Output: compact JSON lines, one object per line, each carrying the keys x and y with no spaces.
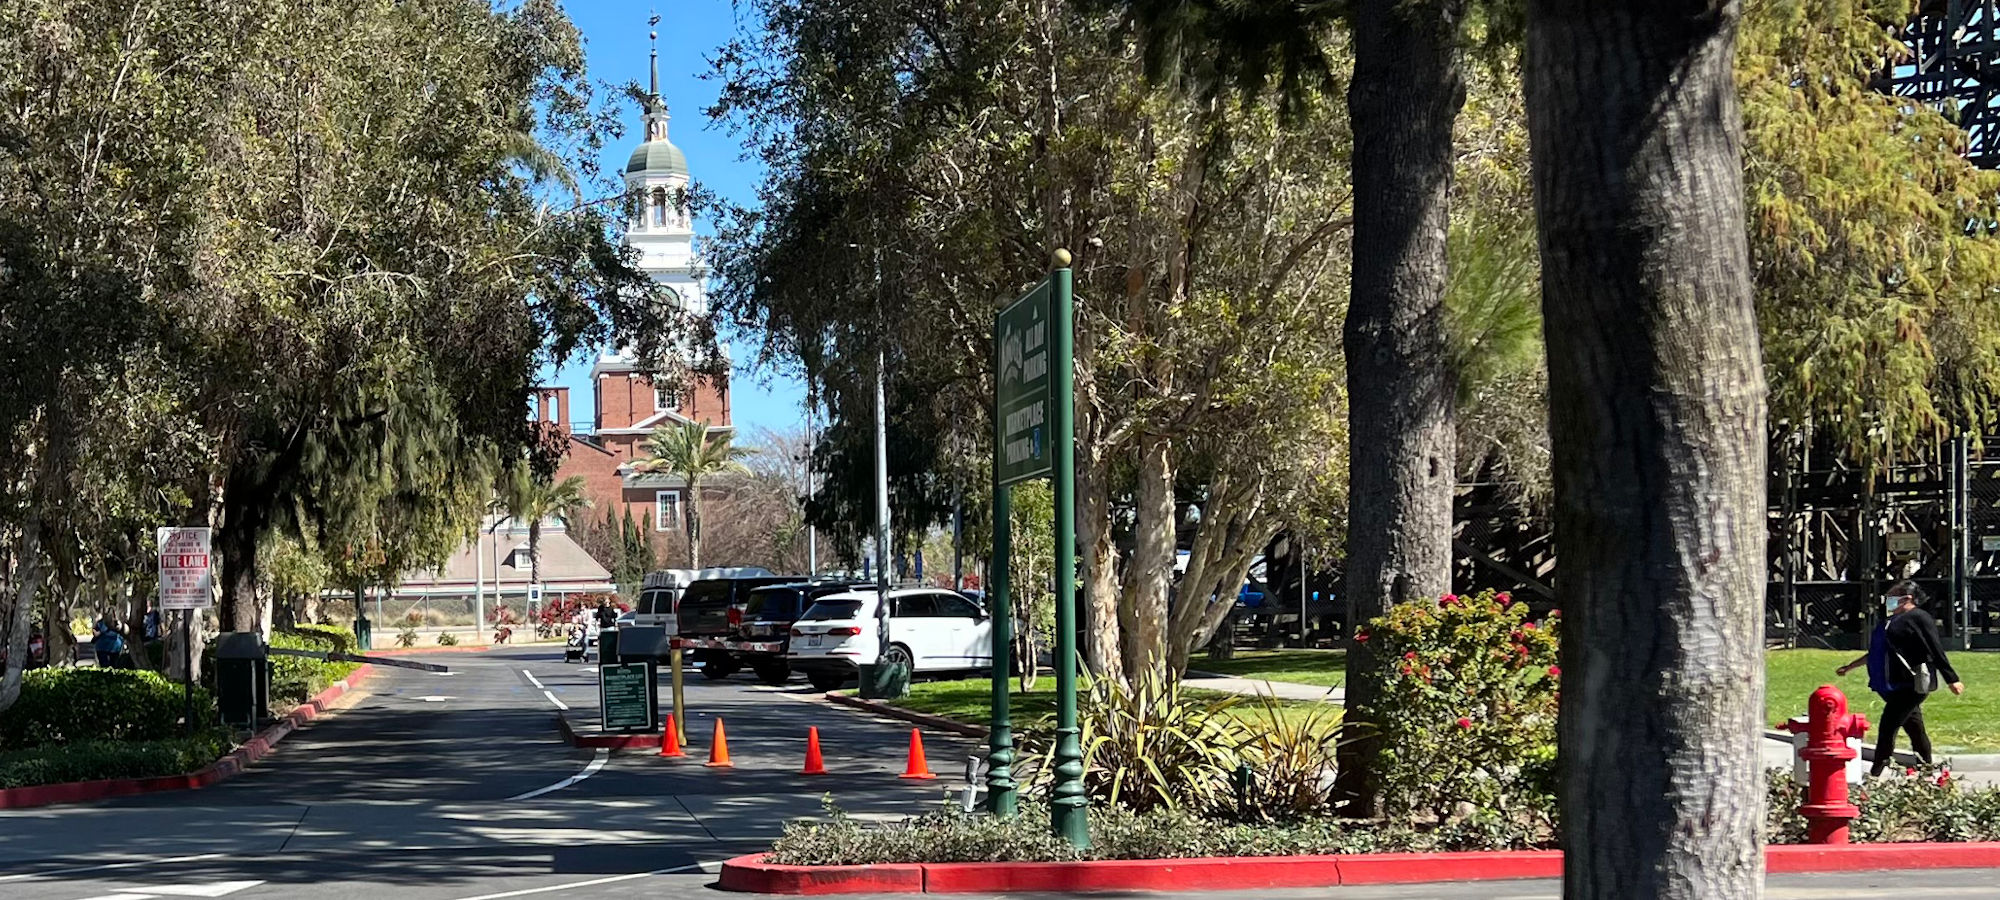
{"x":1034,"y":417}
{"x":625,"y":698}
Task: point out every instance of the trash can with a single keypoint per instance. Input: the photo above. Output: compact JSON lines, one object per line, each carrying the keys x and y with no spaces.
{"x":242,"y":677}
{"x":885,"y":681}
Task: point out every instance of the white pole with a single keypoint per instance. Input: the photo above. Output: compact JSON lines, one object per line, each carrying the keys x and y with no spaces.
{"x":479,"y":572}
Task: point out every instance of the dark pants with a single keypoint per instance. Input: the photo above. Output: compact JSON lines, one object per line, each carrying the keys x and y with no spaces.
{"x":1903,"y":709}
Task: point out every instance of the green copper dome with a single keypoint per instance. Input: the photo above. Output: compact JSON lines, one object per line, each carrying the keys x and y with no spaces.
{"x":657,"y":158}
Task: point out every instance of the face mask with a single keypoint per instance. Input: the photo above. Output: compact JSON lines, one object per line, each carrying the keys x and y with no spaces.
{"x":1891,"y":604}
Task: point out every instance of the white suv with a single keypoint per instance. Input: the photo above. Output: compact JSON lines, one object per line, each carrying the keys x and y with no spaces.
{"x":930,"y":630}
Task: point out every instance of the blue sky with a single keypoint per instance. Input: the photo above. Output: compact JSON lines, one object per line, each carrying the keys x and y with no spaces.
{"x":690,"y":30}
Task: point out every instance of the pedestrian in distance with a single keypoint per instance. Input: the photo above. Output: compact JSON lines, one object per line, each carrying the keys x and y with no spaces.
{"x":108,"y":644}
{"x":1906,"y":664}
{"x":606,"y":616}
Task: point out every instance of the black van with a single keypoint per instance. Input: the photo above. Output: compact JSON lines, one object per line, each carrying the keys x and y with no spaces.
{"x":764,"y":633}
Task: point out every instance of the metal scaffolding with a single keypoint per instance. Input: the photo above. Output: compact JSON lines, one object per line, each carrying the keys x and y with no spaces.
{"x":1955,"y":67}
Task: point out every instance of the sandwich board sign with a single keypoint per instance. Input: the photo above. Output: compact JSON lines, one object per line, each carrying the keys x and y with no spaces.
{"x":186,"y":578}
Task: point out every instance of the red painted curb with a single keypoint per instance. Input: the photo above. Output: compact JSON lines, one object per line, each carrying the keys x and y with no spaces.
{"x":752,"y":874}
{"x":605,"y":741}
{"x":937,"y":723}
{"x":1796,"y":858}
{"x":228,"y":766}
{"x":410,"y":651}
{"x":1415,"y":868}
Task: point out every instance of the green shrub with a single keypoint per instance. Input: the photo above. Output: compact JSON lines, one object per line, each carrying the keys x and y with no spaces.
{"x":1468,"y":710}
{"x":1146,"y":745}
{"x":1291,"y":761}
{"x":68,"y":706}
{"x":99,"y":759}
{"x":294,"y":679}
{"x":333,"y":637}
{"x":952,"y":835}
{"x":447,"y":639}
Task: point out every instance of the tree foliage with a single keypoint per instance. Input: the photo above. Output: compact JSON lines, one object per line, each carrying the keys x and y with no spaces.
{"x":287,"y":269}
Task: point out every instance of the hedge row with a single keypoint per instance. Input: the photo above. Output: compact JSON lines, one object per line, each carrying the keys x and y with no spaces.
{"x":69,"y":706}
{"x":294,"y":679}
{"x":99,"y":759}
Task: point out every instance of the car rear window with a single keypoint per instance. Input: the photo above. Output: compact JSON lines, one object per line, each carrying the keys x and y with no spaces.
{"x":775,"y":603}
{"x":829,"y":610}
{"x":705,"y":593}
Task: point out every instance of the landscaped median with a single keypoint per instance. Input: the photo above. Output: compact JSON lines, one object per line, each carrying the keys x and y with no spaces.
{"x":139,"y":761}
{"x":752,"y":874}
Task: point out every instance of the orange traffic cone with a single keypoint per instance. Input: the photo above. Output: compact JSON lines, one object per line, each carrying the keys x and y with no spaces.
{"x":670,"y":740}
{"x":918,"y":767}
{"x":718,"y":748}
{"x":814,"y":765}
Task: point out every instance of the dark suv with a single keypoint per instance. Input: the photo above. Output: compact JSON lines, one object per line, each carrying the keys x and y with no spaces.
{"x":765,"y":632}
{"x":708,"y":613}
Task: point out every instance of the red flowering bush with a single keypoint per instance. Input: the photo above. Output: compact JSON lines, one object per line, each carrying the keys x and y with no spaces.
{"x":1468,"y":710}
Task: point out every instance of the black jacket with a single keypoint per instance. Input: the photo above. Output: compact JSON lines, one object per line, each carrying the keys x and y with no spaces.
{"x":1913,"y":636}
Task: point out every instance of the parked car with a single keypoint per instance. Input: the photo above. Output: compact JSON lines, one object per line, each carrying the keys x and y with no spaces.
{"x":764,"y":635}
{"x":930,"y":630}
{"x":707,"y":614}
{"x":659,"y":590}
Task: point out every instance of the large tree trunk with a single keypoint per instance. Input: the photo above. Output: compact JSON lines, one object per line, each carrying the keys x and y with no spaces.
{"x":1098,"y":561}
{"x":236,"y":546}
{"x":28,"y":583}
{"x":1656,"y":411}
{"x":1151,"y":572}
{"x":1408,"y":87}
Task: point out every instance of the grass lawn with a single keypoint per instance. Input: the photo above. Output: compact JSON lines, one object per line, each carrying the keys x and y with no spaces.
{"x":1326,"y":668}
{"x":971,"y":701}
{"x":1968,"y":724}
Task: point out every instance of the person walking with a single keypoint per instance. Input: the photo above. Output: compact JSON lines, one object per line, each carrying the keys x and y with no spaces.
{"x":109,"y":645}
{"x":1906,"y":663}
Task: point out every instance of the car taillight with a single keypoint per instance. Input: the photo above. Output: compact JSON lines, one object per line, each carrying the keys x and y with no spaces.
{"x":735,"y":616}
{"x":843,"y":632}
{"x":797,"y":633}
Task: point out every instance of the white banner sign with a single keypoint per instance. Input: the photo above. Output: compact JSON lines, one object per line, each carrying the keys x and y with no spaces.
{"x":185,"y":579}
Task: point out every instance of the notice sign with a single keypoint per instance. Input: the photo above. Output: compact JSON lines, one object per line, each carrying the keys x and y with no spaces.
{"x":625,"y":697}
{"x":185,"y":575}
{"x":1021,"y":338}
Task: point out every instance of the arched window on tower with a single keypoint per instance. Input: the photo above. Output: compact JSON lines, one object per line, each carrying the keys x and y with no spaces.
{"x":659,"y":208}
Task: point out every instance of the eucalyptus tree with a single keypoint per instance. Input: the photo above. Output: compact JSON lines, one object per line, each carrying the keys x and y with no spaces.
{"x":259,"y":239}
{"x":958,"y":146}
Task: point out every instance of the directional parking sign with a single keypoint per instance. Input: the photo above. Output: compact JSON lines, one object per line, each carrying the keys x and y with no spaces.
{"x":1021,"y":335}
{"x":185,"y":574}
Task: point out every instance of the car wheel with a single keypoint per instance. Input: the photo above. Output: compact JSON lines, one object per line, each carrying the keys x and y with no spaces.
{"x":826,"y":681}
{"x":778,"y":673}
{"x":717,"y":667}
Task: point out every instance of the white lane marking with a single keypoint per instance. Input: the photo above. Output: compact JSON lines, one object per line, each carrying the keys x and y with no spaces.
{"x":589,"y":770}
{"x":123,"y":865}
{"x":531,"y":677}
{"x":122,"y":897}
{"x":592,"y":883}
{"x":219,"y":889}
{"x":434,"y":698}
{"x":552,"y":699}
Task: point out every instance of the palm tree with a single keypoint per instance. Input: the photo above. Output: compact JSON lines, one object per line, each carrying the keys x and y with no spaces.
{"x":694,"y":453}
{"x":532,"y":498}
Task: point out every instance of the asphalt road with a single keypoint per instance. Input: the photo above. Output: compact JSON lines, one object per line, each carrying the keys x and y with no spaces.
{"x":419,"y":789}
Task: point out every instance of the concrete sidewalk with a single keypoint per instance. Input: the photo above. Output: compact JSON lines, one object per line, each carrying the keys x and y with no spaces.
{"x":1258,"y":687}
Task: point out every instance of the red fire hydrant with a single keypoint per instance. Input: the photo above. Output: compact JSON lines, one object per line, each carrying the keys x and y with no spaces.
{"x":1827,"y":728}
